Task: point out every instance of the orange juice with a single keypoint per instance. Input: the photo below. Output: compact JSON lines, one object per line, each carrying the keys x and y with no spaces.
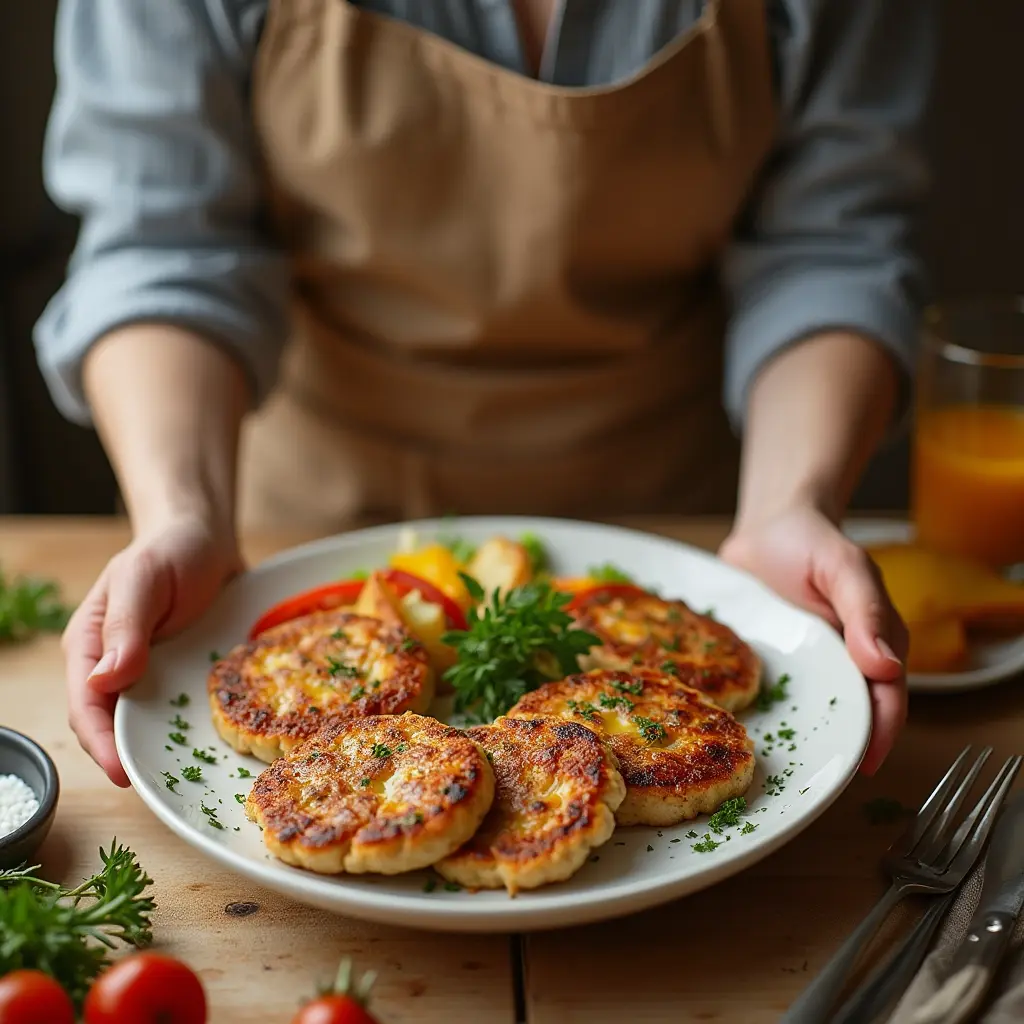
{"x":969,"y":481}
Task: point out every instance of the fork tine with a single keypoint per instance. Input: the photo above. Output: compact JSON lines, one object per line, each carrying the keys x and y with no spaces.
{"x":930,"y":808}
{"x":962,"y":857}
{"x":937,"y":835}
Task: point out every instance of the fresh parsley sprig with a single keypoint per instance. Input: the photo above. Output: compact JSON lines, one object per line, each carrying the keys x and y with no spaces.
{"x":515,"y":642}
{"x":29,"y":606}
{"x":67,"y":933}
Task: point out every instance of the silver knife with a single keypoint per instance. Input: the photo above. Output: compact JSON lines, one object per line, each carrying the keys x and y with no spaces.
{"x":978,"y":957}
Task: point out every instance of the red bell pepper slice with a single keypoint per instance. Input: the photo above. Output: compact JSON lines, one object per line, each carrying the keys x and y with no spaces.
{"x":405,"y":582}
{"x":611,"y":590}
{"x":319,"y":599}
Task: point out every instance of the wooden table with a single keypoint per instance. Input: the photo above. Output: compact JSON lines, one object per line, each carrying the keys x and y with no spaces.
{"x":736,"y":953}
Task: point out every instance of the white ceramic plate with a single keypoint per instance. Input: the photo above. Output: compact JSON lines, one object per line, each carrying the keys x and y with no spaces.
{"x":990,"y":660}
{"x":797,"y":777}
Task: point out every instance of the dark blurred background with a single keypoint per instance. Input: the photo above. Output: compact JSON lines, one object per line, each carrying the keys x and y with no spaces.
{"x":975,"y":235}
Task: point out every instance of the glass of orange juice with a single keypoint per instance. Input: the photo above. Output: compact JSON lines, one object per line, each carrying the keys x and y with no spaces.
{"x":968,"y":484}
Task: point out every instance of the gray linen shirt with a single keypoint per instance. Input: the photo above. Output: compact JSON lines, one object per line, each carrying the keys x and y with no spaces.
{"x":151,"y":141}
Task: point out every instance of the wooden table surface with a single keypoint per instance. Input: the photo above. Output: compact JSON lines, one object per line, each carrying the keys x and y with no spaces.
{"x":738,"y":952}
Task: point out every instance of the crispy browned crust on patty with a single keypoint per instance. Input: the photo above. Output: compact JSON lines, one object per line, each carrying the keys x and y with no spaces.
{"x":386,"y":794}
{"x":680,"y":755}
{"x":646,"y":631}
{"x":558,"y":788}
{"x":269,"y":695}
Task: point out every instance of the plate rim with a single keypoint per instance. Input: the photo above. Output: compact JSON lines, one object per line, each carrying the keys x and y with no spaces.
{"x":570,"y":909}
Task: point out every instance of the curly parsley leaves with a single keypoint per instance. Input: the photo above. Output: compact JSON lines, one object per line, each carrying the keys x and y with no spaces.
{"x":515,"y":642}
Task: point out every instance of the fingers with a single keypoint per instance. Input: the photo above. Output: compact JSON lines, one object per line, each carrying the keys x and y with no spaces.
{"x":90,"y":713}
{"x":875,"y":635}
{"x":888,"y":715}
{"x":139,"y":598}
{"x":877,"y":641}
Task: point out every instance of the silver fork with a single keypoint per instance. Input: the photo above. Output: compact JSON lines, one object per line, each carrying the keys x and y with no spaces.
{"x":932,"y":856}
{"x":884,"y":987}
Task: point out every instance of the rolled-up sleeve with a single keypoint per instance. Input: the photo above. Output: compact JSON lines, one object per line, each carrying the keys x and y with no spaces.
{"x":828,"y":240}
{"x":151,"y":142}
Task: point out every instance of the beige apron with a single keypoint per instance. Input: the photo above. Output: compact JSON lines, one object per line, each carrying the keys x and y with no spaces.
{"x":504,"y":291}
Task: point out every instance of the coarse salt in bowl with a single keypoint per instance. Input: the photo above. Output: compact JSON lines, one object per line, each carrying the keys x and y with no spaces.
{"x":29,"y":790}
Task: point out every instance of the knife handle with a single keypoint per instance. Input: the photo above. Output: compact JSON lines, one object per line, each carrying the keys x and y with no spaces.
{"x":971,"y":973}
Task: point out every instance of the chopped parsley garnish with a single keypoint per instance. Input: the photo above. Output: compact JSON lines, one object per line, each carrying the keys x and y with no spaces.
{"x":650,"y":849}
{"x":364,"y":782}
{"x":379,"y":750}
{"x":674,"y":614}
{"x":401,"y":748}
{"x":179,"y":738}
{"x":452,"y":887}
{"x":802,"y":791}
{"x":201,"y":755}
{"x":772,"y":693}
{"x":608,"y":573}
{"x":179,"y":723}
{"x":728,"y":814}
{"x":670,"y":667}
{"x":430,"y":885}
{"x":650,"y":730}
{"x":181,"y":701}
{"x":410,"y":819}
{"x":536,"y":551}
{"x":211,"y":815}
{"x":584,"y":708}
{"x":240,"y":798}
{"x":192,"y":772}
{"x":774,"y":785}
{"x":244,"y":773}
{"x":170,"y":781}
{"x":315,"y":756}
{"x":636,"y":688}
{"x":675,"y":644}
{"x":692,"y":835}
{"x":338,"y":635}
{"x":709,"y":613}
{"x":884,"y":810}
{"x":706,"y":845}
{"x":514,"y":643}
{"x":339,"y":668}
{"x":748,"y":827}
{"x":410,"y":644}
{"x":358,"y":691}
{"x":832,"y":702}
{"x":787,"y":734}
{"x":710,"y":645}
{"x":214,"y":656}
{"x":606,"y":700}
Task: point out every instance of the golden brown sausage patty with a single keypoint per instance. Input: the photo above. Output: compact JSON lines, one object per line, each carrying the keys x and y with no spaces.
{"x":679,"y":754}
{"x":558,"y":788}
{"x":387,"y":793}
{"x":646,"y":631}
{"x":271,"y":694}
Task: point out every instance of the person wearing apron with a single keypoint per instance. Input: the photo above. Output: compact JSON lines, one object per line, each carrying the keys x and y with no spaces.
{"x":483,"y":256}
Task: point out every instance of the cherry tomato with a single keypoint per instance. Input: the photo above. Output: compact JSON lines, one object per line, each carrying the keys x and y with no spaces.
{"x":333,"y":1010}
{"x":319,"y":599}
{"x":609,"y":589}
{"x":343,"y":1003}
{"x":146,"y":988}
{"x":404,"y":582}
{"x":29,"y":997}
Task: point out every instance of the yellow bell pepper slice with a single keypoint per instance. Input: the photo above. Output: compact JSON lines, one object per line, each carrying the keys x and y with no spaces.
{"x":437,"y":565}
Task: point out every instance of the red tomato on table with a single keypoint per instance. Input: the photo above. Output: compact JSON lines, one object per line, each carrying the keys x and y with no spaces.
{"x":29,"y":997}
{"x":146,"y":988}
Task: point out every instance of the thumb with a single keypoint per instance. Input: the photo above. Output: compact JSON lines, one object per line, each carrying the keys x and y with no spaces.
{"x":875,"y":635}
{"x":139,"y":598}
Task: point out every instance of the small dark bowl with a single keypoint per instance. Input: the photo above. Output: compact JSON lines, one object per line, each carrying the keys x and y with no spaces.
{"x":24,"y":757}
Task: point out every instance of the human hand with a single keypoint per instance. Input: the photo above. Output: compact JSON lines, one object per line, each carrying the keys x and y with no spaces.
{"x":164,"y":580}
{"x":803,"y":556}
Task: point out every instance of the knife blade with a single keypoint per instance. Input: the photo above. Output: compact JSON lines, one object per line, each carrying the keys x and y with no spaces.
{"x":977,"y":959}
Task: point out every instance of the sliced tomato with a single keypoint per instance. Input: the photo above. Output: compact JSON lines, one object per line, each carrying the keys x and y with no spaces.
{"x":319,"y":599}
{"x":405,"y":582}
{"x":608,"y":589}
